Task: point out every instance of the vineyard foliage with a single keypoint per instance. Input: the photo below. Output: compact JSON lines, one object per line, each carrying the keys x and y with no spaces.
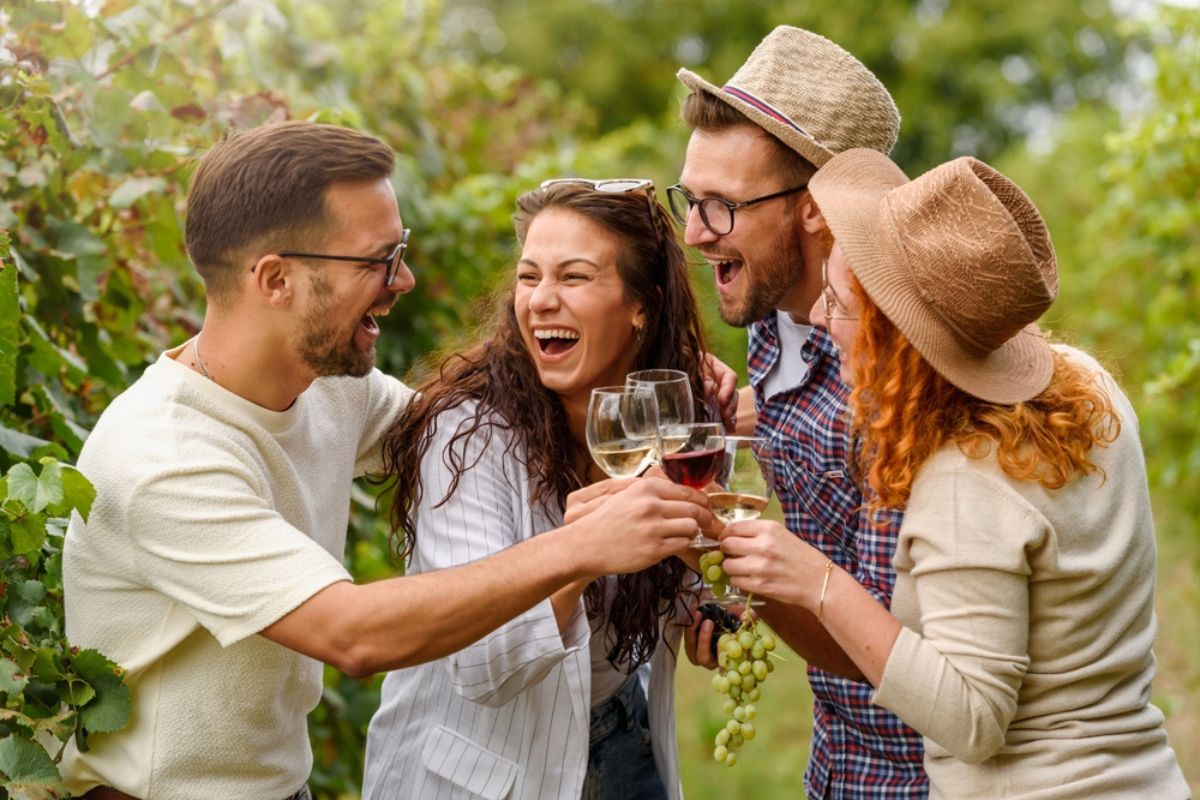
{"x":104,"y":107}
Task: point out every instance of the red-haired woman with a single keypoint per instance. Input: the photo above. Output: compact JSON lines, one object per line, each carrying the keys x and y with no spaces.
{"x":1019,"y":636}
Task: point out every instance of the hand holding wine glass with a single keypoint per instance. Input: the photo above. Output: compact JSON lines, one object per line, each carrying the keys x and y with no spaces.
{"x":743,"y":487}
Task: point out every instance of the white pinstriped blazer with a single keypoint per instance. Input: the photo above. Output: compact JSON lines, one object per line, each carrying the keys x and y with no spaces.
{"x":507,"y":717}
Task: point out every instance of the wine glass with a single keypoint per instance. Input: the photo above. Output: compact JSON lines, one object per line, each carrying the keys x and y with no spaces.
{"x":673,"y":391}
{"x":622,"y":429}
{"x":741,"y":490}
{"x":692,"y":454}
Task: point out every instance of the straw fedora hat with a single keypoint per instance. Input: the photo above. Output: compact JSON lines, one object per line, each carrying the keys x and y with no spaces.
{"x":959,"y":260}
{"x":810,"y":93}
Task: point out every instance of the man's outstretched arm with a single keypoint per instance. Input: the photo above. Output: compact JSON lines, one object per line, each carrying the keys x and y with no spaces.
{"x":408,"y":620}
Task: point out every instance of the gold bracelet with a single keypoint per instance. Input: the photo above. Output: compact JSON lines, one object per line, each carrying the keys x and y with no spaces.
{"x":824,"y":588}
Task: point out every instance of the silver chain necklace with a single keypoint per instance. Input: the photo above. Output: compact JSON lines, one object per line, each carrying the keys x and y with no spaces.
{"x":199,"y":360}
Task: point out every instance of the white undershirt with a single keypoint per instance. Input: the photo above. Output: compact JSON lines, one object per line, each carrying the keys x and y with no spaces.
{"x":789,"y":369}
{"x":606,"y":679}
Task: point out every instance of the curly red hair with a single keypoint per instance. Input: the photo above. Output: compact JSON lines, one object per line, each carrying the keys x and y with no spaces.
{"x":903,"y":411}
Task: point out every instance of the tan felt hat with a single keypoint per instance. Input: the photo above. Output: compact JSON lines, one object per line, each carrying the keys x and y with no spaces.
{"x":959,"y":260}
{"x":811,"y":94}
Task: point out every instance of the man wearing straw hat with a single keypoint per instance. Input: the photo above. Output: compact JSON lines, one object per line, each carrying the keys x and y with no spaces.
{"x":757,"y":140}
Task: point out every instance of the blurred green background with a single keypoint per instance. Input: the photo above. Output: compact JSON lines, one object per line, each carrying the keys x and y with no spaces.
{"x":1093,"y":106}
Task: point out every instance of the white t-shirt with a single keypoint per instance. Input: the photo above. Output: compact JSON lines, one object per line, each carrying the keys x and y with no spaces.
{"x":789,"y":370}
{"x":214,"y":518}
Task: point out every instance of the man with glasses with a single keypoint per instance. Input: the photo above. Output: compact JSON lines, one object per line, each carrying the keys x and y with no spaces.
{"x":210,"y":565}
{"x":743,"y":199}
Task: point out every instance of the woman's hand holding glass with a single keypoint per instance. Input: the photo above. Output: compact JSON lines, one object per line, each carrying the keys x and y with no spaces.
{"x":740,"y":491}
{"x":764,"y":558}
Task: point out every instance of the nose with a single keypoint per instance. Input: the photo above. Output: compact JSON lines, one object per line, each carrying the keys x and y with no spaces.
{"x":544,"y":296}
{"x":403,"y":281}
{"x":816,"y":314}
{"x":695,"y":232}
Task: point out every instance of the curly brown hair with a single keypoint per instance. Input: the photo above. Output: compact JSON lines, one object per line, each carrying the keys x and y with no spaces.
{"x":903,"y":412}
{"x":498,"y":374}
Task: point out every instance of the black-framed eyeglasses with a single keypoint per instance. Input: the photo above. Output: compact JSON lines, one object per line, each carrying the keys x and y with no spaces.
{"x":612,"y":185}
{"x":715,"y":212}
{"x":392,"y":260}
{"x":830,"y":302}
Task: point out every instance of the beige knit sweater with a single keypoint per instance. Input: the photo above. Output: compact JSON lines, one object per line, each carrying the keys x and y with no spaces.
{"x":1026,"y":659}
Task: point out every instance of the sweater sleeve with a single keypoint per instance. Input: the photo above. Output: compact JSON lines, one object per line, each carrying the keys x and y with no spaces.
{"x":482,"y":516}
{"x":965,"y":541}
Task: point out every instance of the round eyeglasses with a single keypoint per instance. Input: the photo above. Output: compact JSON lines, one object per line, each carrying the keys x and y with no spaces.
{"x":392,"y":260}
{"x":715,"y":212}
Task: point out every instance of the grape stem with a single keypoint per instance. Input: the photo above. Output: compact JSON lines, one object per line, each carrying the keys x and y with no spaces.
{"x":747,"y":615}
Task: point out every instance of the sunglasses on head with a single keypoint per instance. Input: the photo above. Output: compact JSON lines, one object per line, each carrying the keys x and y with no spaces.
{"x":611,"y":185}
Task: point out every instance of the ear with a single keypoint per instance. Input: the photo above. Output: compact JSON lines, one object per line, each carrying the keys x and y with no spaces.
{"x":639,"y":316}
{"x":809,"y":216}
{"x":274,"y":280}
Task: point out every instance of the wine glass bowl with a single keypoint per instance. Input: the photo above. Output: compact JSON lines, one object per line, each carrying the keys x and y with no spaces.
{"x":741,"y":490}
{"x":672,"y":390}
{"x":692,"y":454}
{"x":622,"y":429}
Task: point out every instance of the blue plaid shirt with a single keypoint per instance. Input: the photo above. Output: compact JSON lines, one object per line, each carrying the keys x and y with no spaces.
{"x":858,"y":750}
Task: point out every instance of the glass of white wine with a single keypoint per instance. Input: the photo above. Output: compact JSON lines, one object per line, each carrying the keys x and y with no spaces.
{"x":672,"y":389}
{"x":622,"y":429}
{"x":741,"y":490}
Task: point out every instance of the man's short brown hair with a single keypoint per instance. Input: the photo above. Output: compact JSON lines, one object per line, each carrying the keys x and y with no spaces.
{"x":703,"y":112}
{"x":265,"y":187}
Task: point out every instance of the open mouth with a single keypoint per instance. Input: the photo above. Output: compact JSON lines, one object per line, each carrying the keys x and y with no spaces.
{"x":727,"y":271}
{"x":555,"y":341}
{"x":369,"y":321}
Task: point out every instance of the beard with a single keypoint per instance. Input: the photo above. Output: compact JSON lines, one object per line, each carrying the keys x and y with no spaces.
{"x":326,"y":349}
{"x":773,"y":276}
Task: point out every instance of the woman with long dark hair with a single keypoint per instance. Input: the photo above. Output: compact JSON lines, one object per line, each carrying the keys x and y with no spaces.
{"x":557,"y":703}
{"x":1019,"y":637}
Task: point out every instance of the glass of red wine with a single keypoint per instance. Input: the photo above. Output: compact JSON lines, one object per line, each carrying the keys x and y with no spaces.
{"x":693,"y":453}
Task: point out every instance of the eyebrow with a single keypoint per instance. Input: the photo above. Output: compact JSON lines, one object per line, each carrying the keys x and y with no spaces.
{"x":561,"y":264}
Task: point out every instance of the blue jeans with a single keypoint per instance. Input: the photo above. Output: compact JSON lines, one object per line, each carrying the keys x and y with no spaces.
{"x":620,"y":761}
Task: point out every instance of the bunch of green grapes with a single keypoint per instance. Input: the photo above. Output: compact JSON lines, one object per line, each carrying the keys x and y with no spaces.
{"x":742,"y":666}
{"x":712,"y":573}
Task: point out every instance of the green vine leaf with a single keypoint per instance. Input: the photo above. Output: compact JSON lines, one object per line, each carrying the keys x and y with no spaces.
{"x":27,"y":534}
{"x":109,"y":710}
{"x":30,"y":773}
{"x":19,"y":444}
{"x":12,"y":682}
{"x":36,"y":491}
{"x":78,"y":494}
{"x":24,"y":597}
